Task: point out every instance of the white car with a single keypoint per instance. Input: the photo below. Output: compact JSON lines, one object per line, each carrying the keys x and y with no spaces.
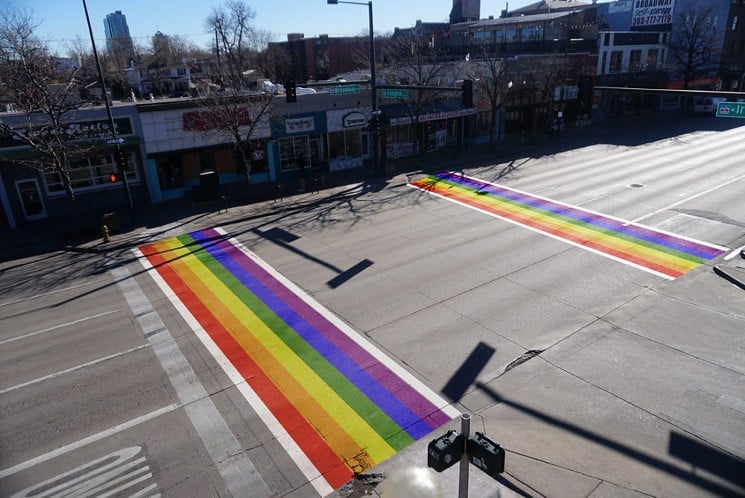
{"x":706,"y":105}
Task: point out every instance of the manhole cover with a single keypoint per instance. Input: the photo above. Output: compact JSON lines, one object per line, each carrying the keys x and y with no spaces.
{"x":636,"y":185}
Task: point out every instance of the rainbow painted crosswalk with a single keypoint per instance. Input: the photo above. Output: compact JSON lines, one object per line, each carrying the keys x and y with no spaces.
{"x":655,"y":251}
{"x":337,"y":403}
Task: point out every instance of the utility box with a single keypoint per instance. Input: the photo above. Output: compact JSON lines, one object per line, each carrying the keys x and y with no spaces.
{"x":209,"y":185}
{"x":445,"y":451}
{"x":485,"y":454}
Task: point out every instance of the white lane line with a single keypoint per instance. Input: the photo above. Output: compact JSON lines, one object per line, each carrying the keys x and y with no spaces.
{"x":45,"y":294}
{"x":87,"y":440}
{"x":734,"y":253}
{"x":231,"y":460}
{"x":61,"y":325}
{"x":687,"y":199}
{"x":73,"y":369}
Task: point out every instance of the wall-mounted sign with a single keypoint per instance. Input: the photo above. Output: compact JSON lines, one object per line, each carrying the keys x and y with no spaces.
{"x":300,"y":125}
{"x":80,"y":130}
{"x":354,"y":120}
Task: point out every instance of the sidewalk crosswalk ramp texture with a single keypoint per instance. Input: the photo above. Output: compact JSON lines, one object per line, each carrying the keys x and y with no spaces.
{"x":652,"y":250}
{"x":337,"y":403}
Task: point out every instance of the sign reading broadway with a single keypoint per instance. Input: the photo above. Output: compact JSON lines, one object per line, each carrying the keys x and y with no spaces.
{"x":649,"y":13}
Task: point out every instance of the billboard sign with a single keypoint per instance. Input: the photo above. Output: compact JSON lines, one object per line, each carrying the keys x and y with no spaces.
{"x":652,"y":14}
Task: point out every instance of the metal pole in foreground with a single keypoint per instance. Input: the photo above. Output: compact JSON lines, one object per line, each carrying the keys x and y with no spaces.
{"x":465,"y":430}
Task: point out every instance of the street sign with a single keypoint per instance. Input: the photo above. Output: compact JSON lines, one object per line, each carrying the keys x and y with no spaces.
{"x":115,"y":141}
{"x":345,"y":89}
{"x":731,"y":110}
{"x":393,"y":93}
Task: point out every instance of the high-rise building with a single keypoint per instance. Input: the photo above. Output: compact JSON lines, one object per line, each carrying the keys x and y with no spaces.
{"x":118,"y":38}
{"x":465,"y":10}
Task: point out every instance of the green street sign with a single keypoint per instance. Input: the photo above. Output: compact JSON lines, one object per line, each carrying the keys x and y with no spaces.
{"x":345,"y":89}
{"x":392,"y":93}
{"x":731,"y":110}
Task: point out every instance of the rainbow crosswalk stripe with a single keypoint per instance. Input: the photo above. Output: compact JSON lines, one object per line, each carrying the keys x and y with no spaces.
{"x":658,"y":252}
{"x":344,"y":405}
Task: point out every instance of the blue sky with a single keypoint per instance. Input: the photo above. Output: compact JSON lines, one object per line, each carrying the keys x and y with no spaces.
{"x":61,"y":21}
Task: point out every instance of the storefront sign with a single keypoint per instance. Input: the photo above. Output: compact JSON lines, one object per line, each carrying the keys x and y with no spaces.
{"x":81,"y":130}
{"x":652,"y":13}
{"x":435,"y":116}
{"x":300,"y":125}
{"x":354,"y":120}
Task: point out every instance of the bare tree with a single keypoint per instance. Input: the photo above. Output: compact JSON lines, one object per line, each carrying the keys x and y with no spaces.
{"x":45,"y":96}
{"x":235,"y":112}
{"x":235,"y":36}
{"x":489,"y":72}
{"x":694,"y":40}
{"x":416,"y":61}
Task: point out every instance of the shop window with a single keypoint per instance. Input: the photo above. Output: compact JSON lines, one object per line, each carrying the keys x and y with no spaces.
{"x":294,"y":153}
{"x":345,"y":144}
{"x":89,"y":173}
{"x":170,"y":172}
{"x":207,"y":160}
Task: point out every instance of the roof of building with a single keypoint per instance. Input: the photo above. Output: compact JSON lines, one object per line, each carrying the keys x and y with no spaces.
{"x":548,"y":6}
{"x":506,"y":21}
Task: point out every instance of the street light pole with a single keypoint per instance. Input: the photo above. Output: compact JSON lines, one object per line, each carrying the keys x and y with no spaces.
{"x":375,"y":119}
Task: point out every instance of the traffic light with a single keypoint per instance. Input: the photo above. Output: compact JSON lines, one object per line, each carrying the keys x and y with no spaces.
{"x":467,"y":90}
{"x":445,"y":451}
{"x":291,"y":91}
{"x":121,"y":160}
{"x":485,"y":454}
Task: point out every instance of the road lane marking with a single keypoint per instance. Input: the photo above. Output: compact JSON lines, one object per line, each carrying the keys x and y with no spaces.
{"x":73,"y":369}
{"x":734,"y":253}
{"x":61,"y":325}
{"x":655,"y":251}
{"x":87,"y":440}
{"x":29,"y":298}
{"x":231,"y":460}
{"x":105,"y":476}
{"x":256,"y":323}
{"x":687,"y":199}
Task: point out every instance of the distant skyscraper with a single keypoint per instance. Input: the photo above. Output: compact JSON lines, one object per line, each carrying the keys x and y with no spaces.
{"x":465,"y":10}
{"x":117,"y":33}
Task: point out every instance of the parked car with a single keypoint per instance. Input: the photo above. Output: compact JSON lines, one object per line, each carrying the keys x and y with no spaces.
{"x":706,"y":105}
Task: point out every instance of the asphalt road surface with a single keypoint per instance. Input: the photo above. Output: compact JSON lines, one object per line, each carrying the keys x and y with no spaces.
{"x":604,"y":365}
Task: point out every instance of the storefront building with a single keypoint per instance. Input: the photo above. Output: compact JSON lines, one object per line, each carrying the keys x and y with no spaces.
{"x":180,"y":145}
{"x":27,"y":194}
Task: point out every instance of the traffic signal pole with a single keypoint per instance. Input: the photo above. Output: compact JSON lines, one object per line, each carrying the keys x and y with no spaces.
{"x":114,"y":137}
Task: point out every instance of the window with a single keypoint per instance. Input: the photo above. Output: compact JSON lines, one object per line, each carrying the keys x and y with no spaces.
{"x":207,"y":160}
{"x":635,"y":60}
{"x":652,"y":57}
{"x":170,"y":172}
{"x":345,"y":144}
{"x":734,"y":23}
{"x":603,"y":67}
{"x":294,"y":152}
{"x":89,"y":173}
{"x":616,"y":57}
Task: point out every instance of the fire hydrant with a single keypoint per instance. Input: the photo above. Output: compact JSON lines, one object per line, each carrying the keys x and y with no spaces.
{"x":105,"y":233}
